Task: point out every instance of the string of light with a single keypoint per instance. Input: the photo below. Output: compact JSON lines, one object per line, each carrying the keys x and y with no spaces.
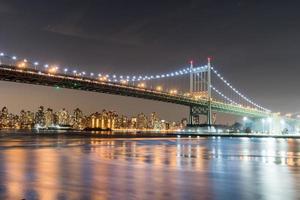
{"x":138,"y":78}
{"x":237,"y":91}
{"x":114,"y":77}
{"x":224,"y":96}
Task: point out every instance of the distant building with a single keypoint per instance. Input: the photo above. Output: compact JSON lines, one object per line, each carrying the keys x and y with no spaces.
{"x":26,"y":120}
{"x":63,"y":117}
{"x":77,"y":120}
{"x":153,"y":121}
{"x":142,"y":121}
{"x":40,"y":119}
{"x":4,"y":118}
{"x":49,"y":118}
{"x":105,"y":120}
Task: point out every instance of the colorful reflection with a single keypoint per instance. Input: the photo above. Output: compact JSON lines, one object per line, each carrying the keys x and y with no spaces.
{"x":63,"y":168}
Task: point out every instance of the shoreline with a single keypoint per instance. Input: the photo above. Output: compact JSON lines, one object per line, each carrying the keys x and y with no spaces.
{"x":111,"y":134}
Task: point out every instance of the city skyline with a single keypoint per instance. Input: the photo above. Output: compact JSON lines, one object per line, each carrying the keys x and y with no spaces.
{"x":48,"y":118}
{"x":69,"y":42}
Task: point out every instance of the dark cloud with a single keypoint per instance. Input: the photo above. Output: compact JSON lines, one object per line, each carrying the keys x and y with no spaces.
{"x":254,"y":43}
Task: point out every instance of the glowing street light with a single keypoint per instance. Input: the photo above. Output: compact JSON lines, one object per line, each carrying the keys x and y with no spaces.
{"x":270,"y":120}
{"x":245,"y":119}
{"x":22,"y":65}
{"x":53,"y":69}
{"x":159,"y":88}
{"x":288,"y":115}
{"x":103,"y":78}
{"x":35,"y":65}
{"x":141,"y":85}
{"x":263,"y":124}
{"x":173,"y":91}
{"x":123,"y":81}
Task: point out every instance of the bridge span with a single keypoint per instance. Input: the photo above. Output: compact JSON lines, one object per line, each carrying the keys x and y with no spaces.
{"x":197,"y":106}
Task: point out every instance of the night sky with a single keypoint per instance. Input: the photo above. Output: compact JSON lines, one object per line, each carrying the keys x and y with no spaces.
{"x":255,"y":44}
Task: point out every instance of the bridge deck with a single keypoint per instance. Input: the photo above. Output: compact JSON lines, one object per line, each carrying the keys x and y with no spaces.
{"x":30,"y":76}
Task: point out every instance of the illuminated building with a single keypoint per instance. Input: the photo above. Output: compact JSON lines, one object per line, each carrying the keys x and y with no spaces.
{"x":40,"y":117}
{"x":77,"y":119}
{"x":26,"y":119}
{"x":141,"y":121}
{"x":4,"y":118}
{"x":44,"y":119}
{"x":153,"y":121}
{"x":63,"y":117}
{"x":133,"y":123}
{"x":104,"y":120}
{"x":49,"y":118}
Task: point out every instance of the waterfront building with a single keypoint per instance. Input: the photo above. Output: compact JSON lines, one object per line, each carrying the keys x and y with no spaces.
{"x":142,"y":121}
{"x":123,"y":122}
{"x":104,"y":120}
{"x":133,"y":123}
{"x":49,"y":118}
{"x":26,"y":119}
{"x":183,"y":123}
{"x":40,"y":117}
{"x":4,"y":118}
{"x":13,"y":121}
{"x":77,"y":120}
{"x":63,"y":117}
{"x":153,"y":121}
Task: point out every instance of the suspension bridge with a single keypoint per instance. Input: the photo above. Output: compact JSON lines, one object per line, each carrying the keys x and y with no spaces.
{"x":202,"y":88}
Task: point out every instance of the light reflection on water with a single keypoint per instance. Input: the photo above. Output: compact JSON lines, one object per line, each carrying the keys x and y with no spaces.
{"x":220,"y":168}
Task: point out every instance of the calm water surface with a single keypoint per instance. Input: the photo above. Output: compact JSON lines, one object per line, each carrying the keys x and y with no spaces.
{"x":170,"y":168}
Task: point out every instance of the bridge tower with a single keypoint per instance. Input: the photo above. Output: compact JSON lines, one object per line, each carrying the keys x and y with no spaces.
{"x":209,"y":117}
{"x":191,"y":90}
{"x":191,"y":78}
{"x":205,"y":84}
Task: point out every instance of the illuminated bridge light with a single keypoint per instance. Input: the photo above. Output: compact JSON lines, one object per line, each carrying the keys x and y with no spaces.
{"x":22,"y":65}
{"x":159,"y":88}
{"x":179,"y":72}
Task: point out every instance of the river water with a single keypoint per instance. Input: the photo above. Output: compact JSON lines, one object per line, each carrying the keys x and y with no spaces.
{"x":168,"y":168}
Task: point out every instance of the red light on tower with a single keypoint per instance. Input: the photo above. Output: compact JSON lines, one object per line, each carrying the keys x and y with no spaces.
{"x":191,"y":62}
{"x":209,"y":58}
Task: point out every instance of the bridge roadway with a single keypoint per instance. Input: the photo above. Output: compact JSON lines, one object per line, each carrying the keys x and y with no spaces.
{"x":31,"y":76}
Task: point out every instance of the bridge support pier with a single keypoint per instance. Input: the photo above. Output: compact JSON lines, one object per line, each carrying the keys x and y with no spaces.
{"x":195,"y":112}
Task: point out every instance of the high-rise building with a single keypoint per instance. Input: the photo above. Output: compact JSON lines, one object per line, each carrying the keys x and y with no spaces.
{"x":153,"y":121}
{"x":4,"y":118}
{"x":141,"y":121}
{"x":63,"y":117}
{"x":40,"y":117}
{"x":78,"y":119}
{"x":49,"y":118}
